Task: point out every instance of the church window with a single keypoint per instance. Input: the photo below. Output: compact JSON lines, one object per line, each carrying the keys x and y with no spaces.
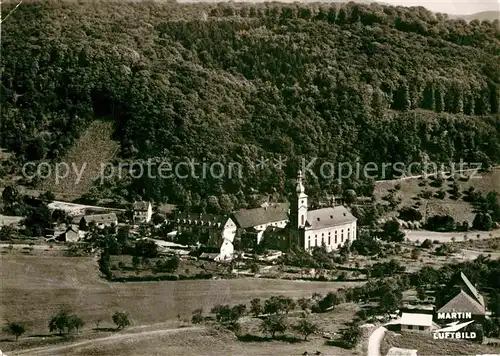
{"x":329,"y":239}
{"x":302,"y":220}
{"x":342,"y":235}
{"x":335,"y":236}
{"x":309,"y":242}
{"x":348,"y":233}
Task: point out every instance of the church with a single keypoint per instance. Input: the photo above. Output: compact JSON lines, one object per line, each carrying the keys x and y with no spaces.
{"x":331,"y":227}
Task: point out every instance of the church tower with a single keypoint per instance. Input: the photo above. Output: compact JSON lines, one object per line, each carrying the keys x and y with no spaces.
{"x":301,"y":203}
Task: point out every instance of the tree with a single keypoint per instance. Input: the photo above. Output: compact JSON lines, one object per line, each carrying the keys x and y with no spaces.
{"x":63,"y":321}
{"x":255,"y":307}
{"x":421,"y":292}
{"x":16,"y":329}
{"x":392,"y":231}
{"x":330,"y":300}
{"x":351,"y":335}
{"x":121,"y":319}
{"x":75,"y":323}
{"x":274,"y":324}
{"x":306,"y":327}
{"x":389,"y":301}
{"x":415,"y":254}
{"x":197,"y":316}
{"x":273,"y":305}
{"x":288,"y":304}
{"x":304,"y":303}
{"x":104,"y":264}
{"x":483,"y":222}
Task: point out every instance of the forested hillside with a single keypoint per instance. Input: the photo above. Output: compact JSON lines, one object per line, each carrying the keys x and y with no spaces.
{"x":236,"y":82}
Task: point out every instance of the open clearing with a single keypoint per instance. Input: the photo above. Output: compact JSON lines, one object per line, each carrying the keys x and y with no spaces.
{"x":92,"y":150}
{"x":34,"y":287}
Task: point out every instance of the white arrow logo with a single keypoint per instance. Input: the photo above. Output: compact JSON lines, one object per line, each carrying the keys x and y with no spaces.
{"x":455,"y":326}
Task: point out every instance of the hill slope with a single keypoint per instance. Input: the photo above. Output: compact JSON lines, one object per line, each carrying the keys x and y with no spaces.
{"x":234,"y":82}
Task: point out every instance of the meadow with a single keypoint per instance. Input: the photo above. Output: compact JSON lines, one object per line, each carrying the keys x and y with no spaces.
{"x":34,"y":287}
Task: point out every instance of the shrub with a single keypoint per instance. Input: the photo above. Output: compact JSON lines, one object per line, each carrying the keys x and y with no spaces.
{"x":410,"y":214}
{"x":426,"y":244}
{"x":197,"y":317}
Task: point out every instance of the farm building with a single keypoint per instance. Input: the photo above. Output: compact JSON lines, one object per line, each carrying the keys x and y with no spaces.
{"x":416,"y":322}
{"x":100,"y":220}
{"x":467,"y":300}
{"x":143,"y":211}
{"x":72,"y":234}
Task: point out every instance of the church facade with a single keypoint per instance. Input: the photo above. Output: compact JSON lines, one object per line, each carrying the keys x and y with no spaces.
{"x":331,"y":227}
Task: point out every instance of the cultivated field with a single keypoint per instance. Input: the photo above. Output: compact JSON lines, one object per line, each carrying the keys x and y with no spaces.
{"x":34,"y":287}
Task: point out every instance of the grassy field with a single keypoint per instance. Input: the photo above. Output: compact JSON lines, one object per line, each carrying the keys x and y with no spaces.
{"x":92,"y":149}
{"x":190,"y":341}
{"x":427,"y":346}
{"x":34,"y":287}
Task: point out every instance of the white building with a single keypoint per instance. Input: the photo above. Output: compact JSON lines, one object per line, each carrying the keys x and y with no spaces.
{"x":416,"y":322}
{"x":143,"y":211}
{"x":331,"y":227}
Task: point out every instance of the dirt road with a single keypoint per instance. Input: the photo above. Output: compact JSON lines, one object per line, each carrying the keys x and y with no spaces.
{"x":121,"y":337}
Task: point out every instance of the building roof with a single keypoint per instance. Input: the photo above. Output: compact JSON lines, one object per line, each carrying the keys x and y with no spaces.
{"x":321,"y":218}
{"x":416,"y":319}
{"x":141,"y":205}
{"x":463,"y":302}
{"x":166,"y":208}
{"x":100,"y":218}
{"x":201,"y":219}
{"x":246,"y":218}
{"x":396,"y":351}
{"x":472,"y":290}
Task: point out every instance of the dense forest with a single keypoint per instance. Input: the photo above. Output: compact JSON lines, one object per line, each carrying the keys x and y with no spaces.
{"x":234,"y":82}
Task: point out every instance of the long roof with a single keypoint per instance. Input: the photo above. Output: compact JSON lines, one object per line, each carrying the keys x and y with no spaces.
{"x":463,"y":302}
{"x":246,"y":218}
{"x":101,"y":218}
{"x":141,"y":205}
{"x":416,"y":319}
{"x":471,"y":289}
{"x":201,"y":219}
{"x":321,"y":218}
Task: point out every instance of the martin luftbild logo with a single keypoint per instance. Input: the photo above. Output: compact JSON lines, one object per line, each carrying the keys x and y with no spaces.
{"x":452,"y":330}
